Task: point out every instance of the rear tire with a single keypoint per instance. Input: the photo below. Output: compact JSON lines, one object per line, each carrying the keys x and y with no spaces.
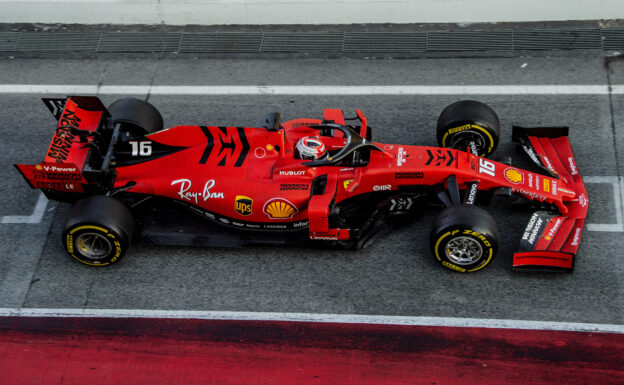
{"x":98,"y":230}
{"x":464,"y":238}
{"x":138,"y":117}
{"x":466,"y":121}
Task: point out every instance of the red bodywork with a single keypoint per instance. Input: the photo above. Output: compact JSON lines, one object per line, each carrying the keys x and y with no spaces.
{"x":249,"y":177}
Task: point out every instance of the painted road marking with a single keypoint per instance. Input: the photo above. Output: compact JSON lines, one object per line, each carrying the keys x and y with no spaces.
{"x":618,"y":201}
{"x":33,"y":218}
{"x":312,"y":90}
{"x":314,"y":317}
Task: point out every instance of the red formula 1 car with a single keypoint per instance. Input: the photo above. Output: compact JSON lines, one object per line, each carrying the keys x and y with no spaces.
{"x":301,"y":182}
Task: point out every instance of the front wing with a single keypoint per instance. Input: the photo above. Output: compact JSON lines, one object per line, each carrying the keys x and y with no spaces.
{"x":550,"y":241}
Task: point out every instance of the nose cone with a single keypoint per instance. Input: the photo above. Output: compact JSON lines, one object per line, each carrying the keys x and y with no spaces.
{"x":566,"y":194}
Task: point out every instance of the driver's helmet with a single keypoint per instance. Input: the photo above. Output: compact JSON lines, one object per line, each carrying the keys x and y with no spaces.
{"x":311,"y":148}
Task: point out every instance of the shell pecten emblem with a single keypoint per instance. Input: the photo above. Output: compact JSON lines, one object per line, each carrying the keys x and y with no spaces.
{"x":279,"y":208}
{"x":513,"y":175}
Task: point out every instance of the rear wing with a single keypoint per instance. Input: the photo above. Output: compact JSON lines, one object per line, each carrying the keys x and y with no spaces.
{"x":81,"y":120}
{"x":550,"y":241}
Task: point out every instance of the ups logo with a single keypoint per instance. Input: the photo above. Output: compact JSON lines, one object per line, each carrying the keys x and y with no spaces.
{"x":243,"y":205}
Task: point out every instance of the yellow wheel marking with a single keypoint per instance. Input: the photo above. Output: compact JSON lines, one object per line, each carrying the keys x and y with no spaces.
{"x":89,"y":227}
{"x":467,"y":127}
{"x":485,"y":263}
{"x":437,"y":245}
{"x":90,"y":264}
{"x":92,"y":227}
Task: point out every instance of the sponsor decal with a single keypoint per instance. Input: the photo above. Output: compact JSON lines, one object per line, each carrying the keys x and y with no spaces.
{"x":553,"y":230}
{"x":279,"y":208}
{"x":479,"y":236}
{"x":473,"y":164}
{"x":458,"y":129}
{"x":439,"y":158}
{"x":346,"y":169}
{"x":582,"y":200}
{"x":531,"y":232}
{"x":529,"y":194}
{"x":530,"y":180}
{"x":577,"y":237}
{"x":537,"y":182}
{"x":473,"y":148}
{"x":514,"y":175}
{"x":573,"y":170}
{"x":324,"y":237}
{"x":453,"y":267}
{"x":409,"y":175}
{"x":300,"y":224}
{"x":292,"y":173}
{"x":546,"y":185}
{"x":260,"y":152}
{"x":238,"y":224}
{"x":294,"y":186}
{"x":43,"y":174}
{"x":347,"y":183}
{"x":225,"y":220}
{"x":55,"y":106}
{"x":554,"y":187}
{"x":63,"y":138}
{"x":388,"y":147}
{"x":548,"y":164}
{"x":61,"y":145}
{"x":57,"y":169}
{"x":487,"y":167}
{"x":400,"y":204}
{"x":280,"y":227}
{"x":69,"y":118}
{"x":401,"y":157}
{"x":243,"y":205}
{"x":231,"y":144}
{"x":532,"y":154}
{"x":384,"y":187}
{"x":472,"y":193}
{"x":193,"y":196}
{"x":142,"y":148}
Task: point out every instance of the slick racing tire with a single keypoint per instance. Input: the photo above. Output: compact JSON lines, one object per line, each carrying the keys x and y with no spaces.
{"x":464,"y":238}
{"x":469,"y":121}
{"x":98,"y":230}
{"x":138,"y":117}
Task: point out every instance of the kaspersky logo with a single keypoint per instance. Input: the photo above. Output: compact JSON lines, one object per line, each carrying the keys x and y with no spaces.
{"x":243,"y":205}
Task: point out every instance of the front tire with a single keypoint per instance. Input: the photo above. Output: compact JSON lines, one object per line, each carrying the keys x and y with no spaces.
{"x":98,"y":231}
{"x":469,"y":121}
{"x":464,"y":238}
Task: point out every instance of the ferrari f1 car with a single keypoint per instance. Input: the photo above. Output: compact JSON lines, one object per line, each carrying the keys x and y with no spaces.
{"x":301,"y":182}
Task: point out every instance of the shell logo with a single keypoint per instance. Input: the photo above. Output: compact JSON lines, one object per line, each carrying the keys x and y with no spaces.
{"x":279,"y":208}
{"x":514,"y":176}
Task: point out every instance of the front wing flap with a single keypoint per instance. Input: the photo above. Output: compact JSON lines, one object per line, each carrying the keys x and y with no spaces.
{"x":550,"y":241}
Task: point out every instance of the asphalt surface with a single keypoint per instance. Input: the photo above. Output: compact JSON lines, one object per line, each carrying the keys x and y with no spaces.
{"x":396,"y":275}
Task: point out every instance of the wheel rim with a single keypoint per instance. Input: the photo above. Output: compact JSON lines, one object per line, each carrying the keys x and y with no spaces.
{"x":94,"y":245}
{"x":462,"y":140}
{"x":464,"y":250}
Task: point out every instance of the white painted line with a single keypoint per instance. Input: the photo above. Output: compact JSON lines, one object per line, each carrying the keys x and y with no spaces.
{"x":618,"y":200}
{"x":35,"y":217}
{"x":314,"y":317}
{"x":311,"y":90}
